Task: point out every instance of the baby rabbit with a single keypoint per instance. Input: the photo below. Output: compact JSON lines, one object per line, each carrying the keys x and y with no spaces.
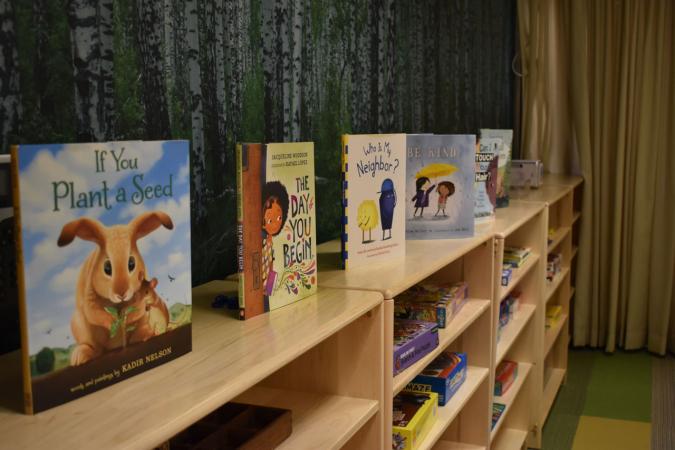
{"x":155,"y":315}
{"x":109,"y":277}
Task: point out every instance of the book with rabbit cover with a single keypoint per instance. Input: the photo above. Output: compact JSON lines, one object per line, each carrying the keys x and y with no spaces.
{"x":373,"y":178}
{"x":103,"y":263}
{"x":440,"y":186}
{"x":487,"y":159}
{"x":276,"y":225}
{"x":504,"y":166}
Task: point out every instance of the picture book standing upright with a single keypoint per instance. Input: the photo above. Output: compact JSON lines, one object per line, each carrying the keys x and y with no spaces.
{"x":439,"y":186}
{"x":103,"y":263}
{"x":504,"y":168}
{"x":487,"y":159}
{"x":373,"y":184}
{"x":276,"y":210}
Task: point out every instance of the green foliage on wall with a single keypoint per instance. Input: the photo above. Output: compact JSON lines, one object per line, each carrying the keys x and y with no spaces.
{"x":254,"y":70}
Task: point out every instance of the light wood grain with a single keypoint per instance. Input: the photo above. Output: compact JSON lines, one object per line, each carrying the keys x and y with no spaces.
{"x":511,"y":395}
{"x":548,"y":194}
{"x":552,"y":286}
{"x":510,"y":439}
{"x":449,"y":445}
{"x":550,"y":391}
{"x":564,"y":180}
{"x":518,"y":274}
{"x":513,"y":329}
{"x":466,"y":316}
{"x":319,"y":420}
{"x":229,"y":356}
{"x":447,"y":413}
{"x":558,"y":236}
{"x":422,"y":259}
{"x":553,"y":333}
{"x":576,"y":216}
{"x":508,"y":220}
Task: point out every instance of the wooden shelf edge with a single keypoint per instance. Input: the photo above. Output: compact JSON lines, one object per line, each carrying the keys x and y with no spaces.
{"x":319,"y":421}
{"x":576,"y":216}
{"x":524,"y":370}
{"x":551,"y":334}
{"x":575,"y":250}
{"x":558,"y":237}
{"x":513,"y":330}
{"x":518,"y":275}
{"x":552,"y":286}
{"x":510,"y":439}
{"x":471,"y":311}
{"x":449,"y":445}
{"x":573,"y":291}
{"x":550,"y":392}
{"x":446,"y":414}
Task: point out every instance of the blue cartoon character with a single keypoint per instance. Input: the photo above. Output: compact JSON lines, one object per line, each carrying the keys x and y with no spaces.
{"x":387,"y":204}
{"x":421,"y":197}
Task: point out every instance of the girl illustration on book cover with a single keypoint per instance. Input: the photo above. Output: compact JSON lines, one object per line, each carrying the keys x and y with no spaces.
{"x":421,"y":198}
{"x":445,"y":189}
{"x":275,"y":212}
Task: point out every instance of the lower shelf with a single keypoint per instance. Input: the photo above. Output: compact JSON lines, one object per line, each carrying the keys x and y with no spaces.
{"x":446,"y":414}
{"x":510,"y":396}
{"x":552,"y":334}
{"x":512,"y":330}
{"x":510,"y":439}
{"x":550,"y":390}
{"x":319,"y":421}
{"x":448,"y":445}
{"x":552,"y":286}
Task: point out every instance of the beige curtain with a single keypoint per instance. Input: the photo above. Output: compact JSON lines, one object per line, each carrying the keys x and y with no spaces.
{"x":600,"y":85}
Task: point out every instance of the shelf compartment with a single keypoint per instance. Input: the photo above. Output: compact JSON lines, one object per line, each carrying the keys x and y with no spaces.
{"x":513,"y":329}
{"x":466,"y":316}
{"x":553,"y":333}
{"x":552,"y":286}
{"x":550,"y":391}
{"x":510,"y":396}
{"x":446,"y":414}
{"x":576,"y":216}
{"x":319,"y":421}
{"x":558,"y":236}
{"x":510,"y":439}
{"x":448,"y":445}
{"x":517,"y":275}
{"x":229,"y":356}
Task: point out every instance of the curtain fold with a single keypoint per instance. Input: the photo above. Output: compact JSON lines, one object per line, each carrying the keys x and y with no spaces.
{"x":606,"y":96}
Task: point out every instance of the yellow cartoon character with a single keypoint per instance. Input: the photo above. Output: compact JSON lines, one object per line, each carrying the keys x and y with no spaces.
{"x":367,"y":219}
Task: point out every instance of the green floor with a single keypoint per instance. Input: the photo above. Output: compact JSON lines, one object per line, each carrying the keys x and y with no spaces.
{"x":606,"y":403}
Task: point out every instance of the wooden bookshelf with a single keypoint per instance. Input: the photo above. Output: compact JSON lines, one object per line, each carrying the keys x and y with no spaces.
{"x":319,"y":357}
{"x":561,"y":195}
{"x":511,"y":395}
{"x":445,"y":260}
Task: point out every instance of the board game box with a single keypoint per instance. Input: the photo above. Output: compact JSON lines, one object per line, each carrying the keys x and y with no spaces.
{"x":413,"y":415}
{"x":412,"y":340}
{"x":444,"y":376}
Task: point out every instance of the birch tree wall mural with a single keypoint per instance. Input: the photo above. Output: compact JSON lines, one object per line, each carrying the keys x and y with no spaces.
{"x":220,"y":71}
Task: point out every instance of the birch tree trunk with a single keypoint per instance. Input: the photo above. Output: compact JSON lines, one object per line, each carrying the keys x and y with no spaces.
{"x":169,"y":46}
{"x":149,"y":41}
{"x":307,"y":108}
{"x":197,"y":117}
{"x":40,"y":73}
{"x":269,"y":50}
{"x":296,"y":93}
{"x":219,"y":66}
{"x":91,"y":39}
{"x":10,"y":99}
{"x":286,"y":69}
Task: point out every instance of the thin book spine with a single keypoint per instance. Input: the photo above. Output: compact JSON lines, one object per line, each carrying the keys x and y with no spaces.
{"x":21,"y":285}
{"x":240,"y":230}
{"x":345,"y":198}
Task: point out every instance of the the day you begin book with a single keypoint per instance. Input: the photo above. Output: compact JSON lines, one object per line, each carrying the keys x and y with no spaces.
{"x":276,"y":210}
{"x":104,"y":264}
{"x":440,"y":186}
{"x":373,"y":187}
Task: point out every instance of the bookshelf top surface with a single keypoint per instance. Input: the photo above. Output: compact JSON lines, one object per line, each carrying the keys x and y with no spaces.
{"x":229,"y":356}
{"x":422,"y":259}
{"x":508,"y":220}
{"x":564,"y":180}
{"x":547,"y":193}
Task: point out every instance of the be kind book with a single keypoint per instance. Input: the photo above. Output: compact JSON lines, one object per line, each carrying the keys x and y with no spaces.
{"x":103,"y":263}
{"x":440,"y":186}
{"x":276,"y":211}
{"x":373,"y":190}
